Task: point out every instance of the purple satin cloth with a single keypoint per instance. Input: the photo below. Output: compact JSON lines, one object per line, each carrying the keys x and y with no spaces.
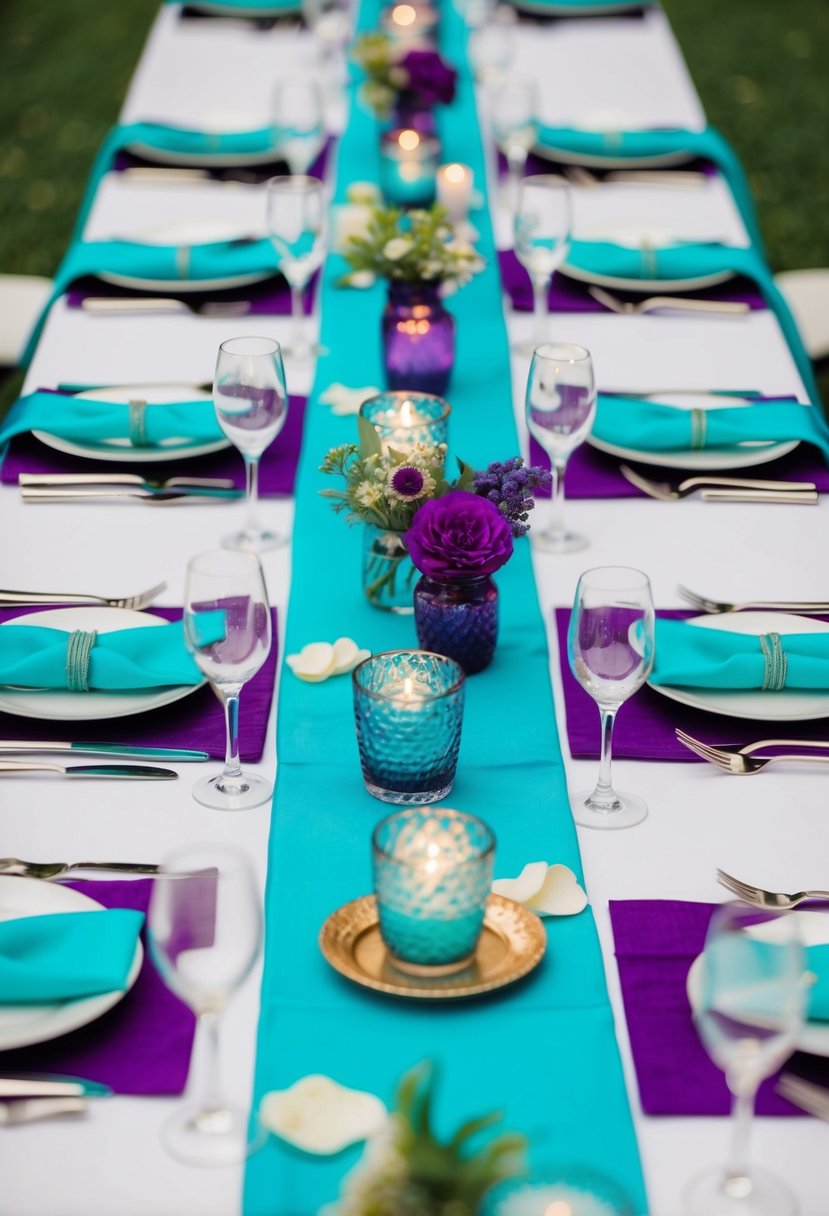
{"x":277,"y":468}
{"x":195,"y":722}
{"x":140,"y":1046}
{"x":656,"y":942}
{"x":644,"y":729}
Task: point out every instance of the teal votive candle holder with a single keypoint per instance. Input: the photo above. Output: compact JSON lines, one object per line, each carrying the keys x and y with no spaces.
{"x":408,"y":708}
{"x":403,"y":419}
{"x":409,"y":162}
{"x":432,"y":875}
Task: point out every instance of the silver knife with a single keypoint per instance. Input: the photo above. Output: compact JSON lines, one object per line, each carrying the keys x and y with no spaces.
{"x":44,"y":1086}
{"x":135,"y":772}
{"x":28,"y":1110}
{"x":9,"y":746}
{"x":113,"y":493}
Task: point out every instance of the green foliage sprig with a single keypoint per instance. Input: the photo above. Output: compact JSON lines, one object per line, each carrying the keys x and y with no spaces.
{"x":412,"y":247}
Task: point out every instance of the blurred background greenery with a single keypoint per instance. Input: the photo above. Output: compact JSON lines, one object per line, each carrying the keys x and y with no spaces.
{"x":760,"y":66}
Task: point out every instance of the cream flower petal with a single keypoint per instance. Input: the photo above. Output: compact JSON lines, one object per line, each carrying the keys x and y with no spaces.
{"x":560,"y":894}
{"x":522,"y":888}
{"x":318,"y":1115}
{"x":345,"y":400}
{"x":315,"y":662}
{"x":347,"y":655}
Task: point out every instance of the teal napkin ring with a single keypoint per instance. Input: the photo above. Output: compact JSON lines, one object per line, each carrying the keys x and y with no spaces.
{"x":78,"y":652}
{"x":777,"y":664}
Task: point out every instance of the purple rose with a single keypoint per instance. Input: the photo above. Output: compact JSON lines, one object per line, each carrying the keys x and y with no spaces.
{"x":459,"y":534}
{"x":429,"y":77}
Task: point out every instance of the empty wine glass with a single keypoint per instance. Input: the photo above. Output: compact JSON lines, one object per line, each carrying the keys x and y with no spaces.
{"x":297,"y":225}
{"x":227,"y":629}
{"x":560,"y":408}
{"x":513,"y":111}
{"x":543,"y":225}
{"x":749,"y":1006}
{"x":331,"y":22}
{"x":204,"y":927}
{"x":251,"y":403}
{"x":610,"y":646}
{"x":297,"y":114}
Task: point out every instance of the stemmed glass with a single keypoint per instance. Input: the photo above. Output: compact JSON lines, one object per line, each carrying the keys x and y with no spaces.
{"x":229,"y":583}
{"x":513,"y":111}
{"x":251,"y":403}
{"x":297,"y":225}
{"x":748,"y":1007}
{"x":331,"y":22}
{"x":543,"y":225}
{"x":297,"y":114}
{"x":205,"y":932}
{"x":610,"y":646}
{"x":560,"y":408}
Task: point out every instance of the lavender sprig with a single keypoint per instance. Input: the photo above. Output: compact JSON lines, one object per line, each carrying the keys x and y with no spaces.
{"x":510,"y":485}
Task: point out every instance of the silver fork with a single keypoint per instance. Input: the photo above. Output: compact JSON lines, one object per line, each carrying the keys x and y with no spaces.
{"x":805,"y":607}
{"x":129,"y":305}
{"x":761,"y":898}
{"x":33,"y":598}
{"x":749,"y":748}
{"x":57,"y":869}
{"x":675,"y":303}
{"x":812,"y":1098}
{"x":724,"y":489}
{"x":738,"y":763}
{"x":155,"y":498}
{"x":676,"y":178}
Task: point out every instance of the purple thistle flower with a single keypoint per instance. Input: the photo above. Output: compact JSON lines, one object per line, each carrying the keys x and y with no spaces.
{"x":509,"y":484}
{"x":407,"y":481}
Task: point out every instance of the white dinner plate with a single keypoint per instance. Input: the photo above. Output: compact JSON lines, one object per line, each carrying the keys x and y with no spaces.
{"x":21,"y":1025}
{"x":813,"y":929}
{"x":185,"y":232}
{"x":65,"y":706}
{"x":121,"y":449}
{"x":564,"y":10}
{"x":788,"y":705}
{"x":659,"y":287}
{"x":214,"y":124}
{"x":565,"y":157}
{"x":706,"y":460}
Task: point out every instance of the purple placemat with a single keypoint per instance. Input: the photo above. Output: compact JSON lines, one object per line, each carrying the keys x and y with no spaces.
{"x":277,"y":468}
{"x":140,"y":1046}
{"x":195,"y":722}
{"x":249,"y":174}
{"x":656,"y":942}
{"x":645,"y":726}
{"x":271,"y":298}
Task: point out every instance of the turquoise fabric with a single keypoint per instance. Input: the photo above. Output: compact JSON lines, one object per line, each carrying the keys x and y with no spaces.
{"x":66,"y":955}
{"x":260,"y":7}
{"x":652,"y":427}
{"x":695,"y":657}
{"x":645,"y":148}
{"x":817,"y":961}
{"x":35,"y":656}
{"x":578,"y":8}
{"x":81,"y":421}
{"x":543,"y":1051}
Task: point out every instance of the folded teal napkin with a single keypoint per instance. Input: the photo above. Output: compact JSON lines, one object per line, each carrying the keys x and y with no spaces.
{"x":183,"y":263}
{"x":695,"y":657}
{"x":35,"y":656}
{"x":164,"y":138}
{"x":82,"y":421}
{"x":66,"y":955}
{"x":651,"y":427}
{"x":575,"y":7}
{"x":817,"y":961}
{"x":260,"y":7}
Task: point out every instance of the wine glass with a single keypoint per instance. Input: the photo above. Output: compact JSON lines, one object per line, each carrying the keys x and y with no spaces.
{"x":297,"y":113}
{"x":331,"y":22}
{"x":297,"y":225}
{"x":543,"y":224}
{"x":204,"y":927}
{"x":225,"y":594}
{"x":560,"y":408}
{"x":749,"y":1006}
{"x":610,"y":646}
{"x":251,"y":403}
{"x":513,"y":112}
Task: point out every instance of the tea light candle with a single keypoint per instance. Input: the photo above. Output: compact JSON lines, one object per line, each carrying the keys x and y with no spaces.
{"x":404,"y":419}
{"x":410,"y":23}
{"x":408,"y":164}
{"x":454,"y":189}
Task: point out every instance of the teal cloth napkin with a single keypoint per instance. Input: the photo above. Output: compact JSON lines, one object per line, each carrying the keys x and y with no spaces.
{"x":260,"y":7}
{"x":82,"y":421}
{"x":817,"y":961}
{"x":182,"y":263}
{"x":575,"y":7}
{"x":652,"y":427}
{"x":695,"y":657}
{"x":35,"y":656}
{"x":66,"y":955}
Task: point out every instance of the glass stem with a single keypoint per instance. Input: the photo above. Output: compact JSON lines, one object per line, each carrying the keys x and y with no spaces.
{"x":212,"y":1084}
{"x":252,"y":493}
{"x":298,"y":318}
{"x":541,"y":310}
{"x":555,"y":526}
{"x":230,"y":699}
{"x":517,"y":161}
{"x":736,"y":1171}
{"x":603,"y":797}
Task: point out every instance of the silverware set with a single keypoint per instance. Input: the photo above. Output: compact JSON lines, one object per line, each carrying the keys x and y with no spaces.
{"x":106,"y":772}
{"x":632,"y":308}
{"x":812,"y":1098}
{"x":724,"y":489}
{"x":742,"y":762}
{"x":796,"y":607}
{"x":70,"y":487}
{"x":72,"y":598}
{"x":48,"y":870}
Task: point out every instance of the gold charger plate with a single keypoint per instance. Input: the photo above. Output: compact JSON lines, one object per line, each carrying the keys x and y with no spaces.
{"x":511,"y":945}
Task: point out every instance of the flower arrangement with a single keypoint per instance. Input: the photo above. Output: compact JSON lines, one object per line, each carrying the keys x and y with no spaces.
{"x":391,"y":70}
{"x":406,"y":1171}
{"x":416,"y":246}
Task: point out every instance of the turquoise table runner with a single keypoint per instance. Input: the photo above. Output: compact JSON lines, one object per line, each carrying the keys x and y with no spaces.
{"x":544,"y":1051}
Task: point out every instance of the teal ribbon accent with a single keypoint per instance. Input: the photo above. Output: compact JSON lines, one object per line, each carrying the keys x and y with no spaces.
{"x":777,"y":663}
{"x":694,"y":657}
{"x":78,"y":653}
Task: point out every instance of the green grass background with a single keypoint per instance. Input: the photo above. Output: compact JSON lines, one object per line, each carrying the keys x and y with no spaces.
{"x":760,"y":67}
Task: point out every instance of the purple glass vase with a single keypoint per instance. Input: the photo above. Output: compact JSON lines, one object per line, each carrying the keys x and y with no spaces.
{"x":458,"y":618}
{"x":418,"y":338}
{"x":412,"y":112}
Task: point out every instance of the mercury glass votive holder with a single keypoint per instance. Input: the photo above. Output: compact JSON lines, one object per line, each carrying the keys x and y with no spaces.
{"x":432,"y":876}
{"x":566,"y":1190}
{"x":403,"y":419}
{"x":408,"y":707}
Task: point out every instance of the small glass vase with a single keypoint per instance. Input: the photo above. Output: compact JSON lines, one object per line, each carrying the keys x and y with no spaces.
{"x":418,"y":338}
{"x":388,"y":573}
{"x":458,"y":617}
{"x":411,"y":112}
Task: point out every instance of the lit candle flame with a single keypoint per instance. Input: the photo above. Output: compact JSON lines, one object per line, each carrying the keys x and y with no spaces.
{"x":406,"y":414}
{"x":559,"y":1207}
{"x":403,"y":14}
{"x":455,"y":172}
{"x":408,"y":140}
{"x":408,"y":689}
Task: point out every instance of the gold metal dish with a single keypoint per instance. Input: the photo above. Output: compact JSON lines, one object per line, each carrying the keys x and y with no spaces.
{"x":511,"y":945}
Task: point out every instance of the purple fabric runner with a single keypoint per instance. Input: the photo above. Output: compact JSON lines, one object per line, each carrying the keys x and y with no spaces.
{"x":196,"y":721}
{"x":645,"y":726}
{"x":140,"y":1046}
{"x":277,"y":469}
{"x":656,"y":942}
{"x":270,"y":298}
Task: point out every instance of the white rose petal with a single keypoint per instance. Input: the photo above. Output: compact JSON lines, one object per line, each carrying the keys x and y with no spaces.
{"x":319,"y":1116}
{"x":397,"y":248}
{"x":546,"y":890}
{"x":314,"y":663}
{"x":347,"y":654}
{"x":345,"y":400}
